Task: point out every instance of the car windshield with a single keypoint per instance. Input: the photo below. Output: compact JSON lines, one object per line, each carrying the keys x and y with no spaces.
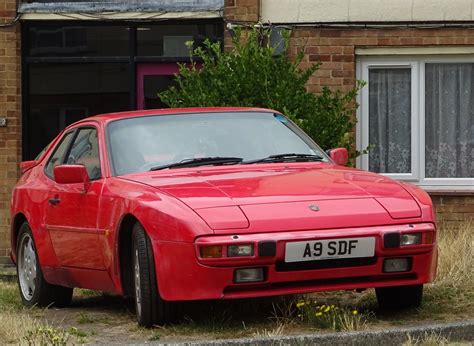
{"x":154,"y":142}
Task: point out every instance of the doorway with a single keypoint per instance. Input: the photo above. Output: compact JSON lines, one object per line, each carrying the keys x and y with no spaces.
{"x":151,"y":80}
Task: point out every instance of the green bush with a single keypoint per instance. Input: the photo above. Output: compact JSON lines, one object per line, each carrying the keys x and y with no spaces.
{"x":251,"y":75}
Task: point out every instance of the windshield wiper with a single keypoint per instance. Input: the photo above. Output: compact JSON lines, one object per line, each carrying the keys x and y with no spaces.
{"x":200,"y":161}
{"x":290,"y":157}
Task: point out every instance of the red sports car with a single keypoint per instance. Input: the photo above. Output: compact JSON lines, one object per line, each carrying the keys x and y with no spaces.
{"x":212,"y":203}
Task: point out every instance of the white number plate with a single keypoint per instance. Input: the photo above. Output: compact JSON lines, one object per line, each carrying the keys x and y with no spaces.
{"x":329,"y":249}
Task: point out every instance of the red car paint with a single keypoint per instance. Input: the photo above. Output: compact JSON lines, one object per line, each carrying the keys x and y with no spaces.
{"x":182,"y":209}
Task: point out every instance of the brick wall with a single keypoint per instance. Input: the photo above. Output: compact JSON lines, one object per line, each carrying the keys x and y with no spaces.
{"x":244,"y":12}
{"x":335,"y":48}
{"x":454,"y":210}
{"x":10,"y":107}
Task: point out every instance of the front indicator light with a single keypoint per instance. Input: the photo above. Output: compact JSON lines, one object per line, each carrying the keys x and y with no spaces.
{"x":248,"y":275}
{"x":240,"y":250}
{"x":213,"y":251}
{"x":394,"y":265}
{"x":429,"y":237}
{"x":410,"y":239}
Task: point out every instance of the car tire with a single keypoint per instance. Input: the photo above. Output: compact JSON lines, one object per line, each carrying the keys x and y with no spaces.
{"x":151,"y":309}
{"x":34,"y":290}
{"x":399,"y":297}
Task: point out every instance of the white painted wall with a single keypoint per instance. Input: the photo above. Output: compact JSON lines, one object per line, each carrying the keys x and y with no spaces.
{"x":326,"y":11}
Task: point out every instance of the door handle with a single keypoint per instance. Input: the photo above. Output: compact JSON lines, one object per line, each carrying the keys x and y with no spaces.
{"x":54,"y":201}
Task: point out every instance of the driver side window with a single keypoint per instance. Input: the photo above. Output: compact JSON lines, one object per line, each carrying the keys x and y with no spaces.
{"x":85,"y":151}
{"x":58,"y":156}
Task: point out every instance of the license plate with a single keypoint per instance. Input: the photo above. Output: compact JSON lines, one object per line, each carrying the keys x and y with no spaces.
{"x":329,"y":249}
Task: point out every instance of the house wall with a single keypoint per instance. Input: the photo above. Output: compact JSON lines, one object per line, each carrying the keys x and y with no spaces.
{"x":336,"y":48}
{"x":10,"y":107}
{"x":325,"y":11}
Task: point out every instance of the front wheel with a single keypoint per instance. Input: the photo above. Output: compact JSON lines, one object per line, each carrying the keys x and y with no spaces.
{"x":399,"y":297}
{"x":34,"y":290}
{"x":151,"y":309}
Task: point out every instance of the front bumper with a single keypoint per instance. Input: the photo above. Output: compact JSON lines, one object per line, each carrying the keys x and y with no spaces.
{"x":183,"y":275}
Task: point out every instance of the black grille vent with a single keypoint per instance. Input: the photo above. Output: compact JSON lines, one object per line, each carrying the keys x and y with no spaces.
{"x":325,"y":264}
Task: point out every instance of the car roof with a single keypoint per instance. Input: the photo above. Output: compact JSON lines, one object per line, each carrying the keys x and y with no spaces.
{"x":168,"y":111}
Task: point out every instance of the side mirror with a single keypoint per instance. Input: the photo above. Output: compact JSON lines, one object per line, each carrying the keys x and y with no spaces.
{"x":26,"y":165}
{"x":340,"y":156}
{"x":71,"y":174}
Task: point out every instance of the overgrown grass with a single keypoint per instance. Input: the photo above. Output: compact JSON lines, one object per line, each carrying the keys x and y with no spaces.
{"x":450,"y":297}
{"x":428,"y":339}
{"x":453,"y":288}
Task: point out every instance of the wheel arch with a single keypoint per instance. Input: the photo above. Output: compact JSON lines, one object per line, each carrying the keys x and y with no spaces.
{"x":18,"y":220}
{"x":124,"y":248}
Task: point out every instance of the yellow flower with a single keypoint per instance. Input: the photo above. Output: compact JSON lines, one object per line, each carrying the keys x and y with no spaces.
{"x":327,"y":309}
{"x":300,"y":304}
{"x":354,"y":312}
{"x":55,"y":338}
{"x":322,"y":307}
{"x":332,"y":306}
{"x":318,"y":314}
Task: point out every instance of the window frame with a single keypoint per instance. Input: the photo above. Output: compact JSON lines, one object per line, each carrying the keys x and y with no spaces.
{"x":75,"y":131}
{"x":132,"y":58}
{"x":417,"y":64}
{"x":66,"y":152}
{"x":76,"y":134}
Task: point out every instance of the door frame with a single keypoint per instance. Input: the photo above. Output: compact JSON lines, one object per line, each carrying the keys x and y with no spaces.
{"x":152,"y":69}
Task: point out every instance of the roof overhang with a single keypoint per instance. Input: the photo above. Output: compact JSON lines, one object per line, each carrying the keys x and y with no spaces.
{"x":120,"y":9}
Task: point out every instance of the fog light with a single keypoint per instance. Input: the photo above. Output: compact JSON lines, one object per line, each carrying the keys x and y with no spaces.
{"x":240,"y":250}
{"x":410,"y":239}
{"x":213,"y":251}
{"x":248,"y":275}
{"x":394,"y":265}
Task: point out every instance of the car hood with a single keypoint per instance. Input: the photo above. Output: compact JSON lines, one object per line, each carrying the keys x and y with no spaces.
{"x":251,"y":188}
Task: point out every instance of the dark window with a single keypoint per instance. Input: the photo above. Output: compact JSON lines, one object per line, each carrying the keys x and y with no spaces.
{"x":61,"y":94}
{"x":58,"y":155}
{"x":169,"y":40}
{"x":68,"y":41}
{"x":85,"y":151}
{"x":73,"y":69}
{"x":152,"y":85}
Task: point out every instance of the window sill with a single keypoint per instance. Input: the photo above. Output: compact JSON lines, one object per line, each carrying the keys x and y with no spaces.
{"x":449,"y":190}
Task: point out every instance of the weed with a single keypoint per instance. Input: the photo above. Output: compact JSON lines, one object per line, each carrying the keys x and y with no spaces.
{"x":155,"y":336}
{"x":46,"y":335}
{"x":330,"y":316}
{"x":85,"y":318}
{"x":278,"y":331}
{"x":428,"y":339}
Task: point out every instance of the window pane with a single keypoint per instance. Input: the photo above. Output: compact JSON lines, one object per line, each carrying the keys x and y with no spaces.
{"x":85,"y":151}
{"x":449,"y":120}
{"x":58,"y":156}
{"x":61,"y":94}
{"x":152,"y":86}
{"x":54,"y":40}
{"x":390,"y":120}
{"x":168,"y":40}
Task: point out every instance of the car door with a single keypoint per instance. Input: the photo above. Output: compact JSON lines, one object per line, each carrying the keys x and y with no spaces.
{"x":72,"y":210}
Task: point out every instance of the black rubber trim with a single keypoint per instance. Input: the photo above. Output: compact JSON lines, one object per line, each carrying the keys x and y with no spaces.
{"x":325,"y":264}
{"x":391,"y":240}
{"x":267,"y":248}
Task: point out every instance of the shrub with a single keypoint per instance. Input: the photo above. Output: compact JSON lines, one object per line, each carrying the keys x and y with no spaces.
{"x":251,"y":75}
